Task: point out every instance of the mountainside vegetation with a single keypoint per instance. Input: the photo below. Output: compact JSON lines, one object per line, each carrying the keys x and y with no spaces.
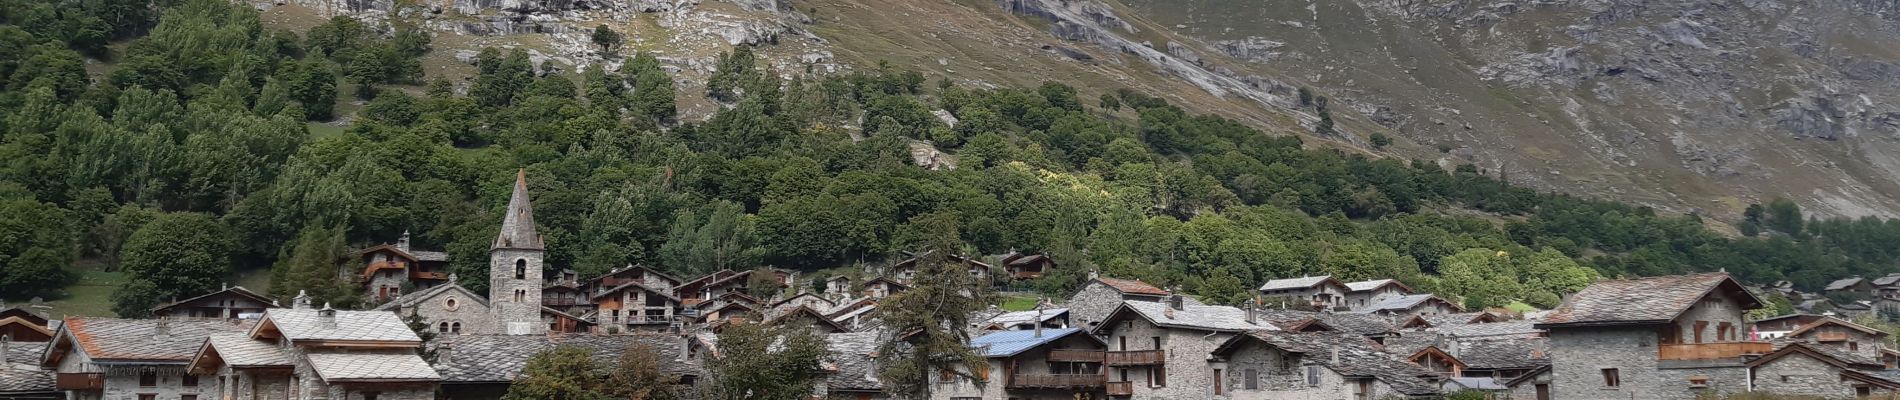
{"x":177,"y":146}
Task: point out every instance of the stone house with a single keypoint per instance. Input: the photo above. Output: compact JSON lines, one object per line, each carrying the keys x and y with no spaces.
{"x":1036,"y":364}
{"x":881,"y":287}
{"x":20,"y":325}
{"x":1778,"y":326}
{"x":1160,"y":349}
{"x":1857,"y":309}
{"x":810,"y":318}
{"x":1362,"y":294}
{"x":633,"y":305}
{"x":802,"y":299}
{"x":389,"y":270}
{"x":1096,"y":298}
{"x":1312,"y":365}
{"x":1667,"y":337}
{"x":1858,"y":287}
{"x":318,"y":354}
{"x":1802,"y":369}
{"x":645,"y":276}
{"x":451,"y":308}
{"x":481,"y":367}
{"x":1887,"y":287}
{"x":1412,"y":304}
{"x":1532,"y":385}
{"x":906,"y":270}
{"x":736,"y":283}
{"x":838,"y":288}
{"x":134,"y":359}
{"x":1843,"y":335}
{"x":230,"y":303}
{"x":691,"y":291}
{"x":1026,"y":266}
{"x":1320,"y":292}
{"x":856,"y":315}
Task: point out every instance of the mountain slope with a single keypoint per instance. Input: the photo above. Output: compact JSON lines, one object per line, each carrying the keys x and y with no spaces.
{"x":1690,"y":107}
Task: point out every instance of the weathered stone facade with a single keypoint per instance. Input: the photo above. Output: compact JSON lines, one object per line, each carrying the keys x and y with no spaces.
{"x":450,"y":309}
{"x":1184,"y":375}
{"x":1580,"y":356}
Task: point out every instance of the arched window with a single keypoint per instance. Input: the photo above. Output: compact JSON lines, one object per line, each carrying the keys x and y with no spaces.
{"x":443,"y":327}
{"x":521,"y":268}
{"x":520,"y":295}
{"x":456,"y":328}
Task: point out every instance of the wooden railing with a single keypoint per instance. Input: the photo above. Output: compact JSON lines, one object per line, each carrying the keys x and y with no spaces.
{"x":1121,"y":388}
{"x":1136,"y":357}
{"x":80,"y":381}
{"x":1831,"y":336}
{"x":428,"y":275}
{"x":1705,"y":351}
{"x":549,"y":301}
{"x":1067,"y":355}
{"x":1057,"y":381}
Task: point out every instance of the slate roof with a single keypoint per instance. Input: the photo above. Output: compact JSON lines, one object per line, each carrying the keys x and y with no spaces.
{"x":1362,"y":286}
{"x":1888,"y":280}
{"x":414,"y":298}
{"x":1296,"y":283}
{"x":668,"y":294}
{"x":424,"y":255}
{"x":108,"y":340}
{"x":1400,"y":303}
{"x":1484,"y":383}
{"x":1835,"y":321}
{"x":1130,"y":286}
{"x":1651,"y":300}
{"x":1025,"y":317}
{"x":21,"y":372}
{"x":854,"y":367}
{"x":1200,"y":317}
{"x":1358,"y":357}
{"x":517,"y":224}
{"x":1845,"y":283}
{"x":359,"y":367}
{"x":1829,"y":354}
{"x":235,"y":290}
{"x":1360,"y":324}
{"x":304,"y":324}
{"x":1010,"y":343}
{"x":241,"y":351}
{"x":1514,"y":353}
{"x":1516,"y":327}
{"x":500,"y":358}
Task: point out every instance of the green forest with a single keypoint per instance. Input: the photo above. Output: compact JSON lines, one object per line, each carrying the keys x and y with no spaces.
{"x":174,"y":144}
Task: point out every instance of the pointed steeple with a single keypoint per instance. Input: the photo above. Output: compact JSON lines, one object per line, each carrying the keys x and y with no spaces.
{"x":517,"y":227}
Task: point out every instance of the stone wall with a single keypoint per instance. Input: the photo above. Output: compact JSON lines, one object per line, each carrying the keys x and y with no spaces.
{"x":1527,"y":390}
{"x":1800,"y":375}
{"x":1675,"y":382}
{"x":1578,"y":356}
{"x":1187,"y":373}
{"x":1092,"y":303}
{"x":1714,"y":310}
{"x":476,"y":319}
{"x":514,"y":317}
{"x":123,"y":383}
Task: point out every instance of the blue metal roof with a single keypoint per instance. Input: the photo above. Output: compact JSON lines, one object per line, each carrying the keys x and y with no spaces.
{"x":1009,"y":343}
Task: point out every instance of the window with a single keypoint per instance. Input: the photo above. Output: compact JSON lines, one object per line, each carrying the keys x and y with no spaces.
{"x":1250,"y":379}
{"x":1610,"y":378}
{"x":521,"y":268}
{"x":1124,"y":343}
{"x":1698,"y":381}
{"x":189,"y":380}
{"x":1158,"y":376}
{"x":1721,"y":331}
{"x":1699,"y":327}
{"x":187,"y":397}
{"x":148,"y":379}
{"x":442,"y":327}
{"x":371,"y":395}
{"x":1863,"y":391}
{"x":450,"y":303}
{"x":1217,"y":385}
{"x":1312,"y":375}
{"x":945,"y":375}
{"x":148,"y":396}
{"x":455,"y":328}
{"x":1851,"y":346}
{"x":1157,"y":342}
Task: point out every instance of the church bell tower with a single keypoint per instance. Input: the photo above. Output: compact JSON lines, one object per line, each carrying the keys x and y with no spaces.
{"x":514,"y":267}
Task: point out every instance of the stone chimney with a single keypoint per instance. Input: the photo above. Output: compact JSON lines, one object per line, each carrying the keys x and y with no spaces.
{"x":442,"y":351}
{"x":1335,"y":354}
{"x":1251,"y":305}
{"x":326,"y":317}
{"x":162,"y":328}
{"x":1094,"y":274}
{"x":1038,"y":321}
{"x":1175,"y":301}
{"x":6,"y":341}
{"x":870,"y":374}
{"x":686,"y":346}
{"x":301,"y":302}
{"x":403,"y":242}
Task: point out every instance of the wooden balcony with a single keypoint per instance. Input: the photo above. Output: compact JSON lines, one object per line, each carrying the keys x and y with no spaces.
{"x":1709,"y":351}
{"x":1068,"y":355}
{"x":433,"y":275}
{"x":1136,"y":357}
{"x":1831,"y":336}
{"x":1121,"y":388}
{"x":80,"y":381}
{"x":1056,"y":381}
{"x":554,"y":302}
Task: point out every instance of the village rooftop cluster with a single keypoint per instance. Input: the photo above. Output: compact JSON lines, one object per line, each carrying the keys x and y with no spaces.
{"x":1667,"y":337}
